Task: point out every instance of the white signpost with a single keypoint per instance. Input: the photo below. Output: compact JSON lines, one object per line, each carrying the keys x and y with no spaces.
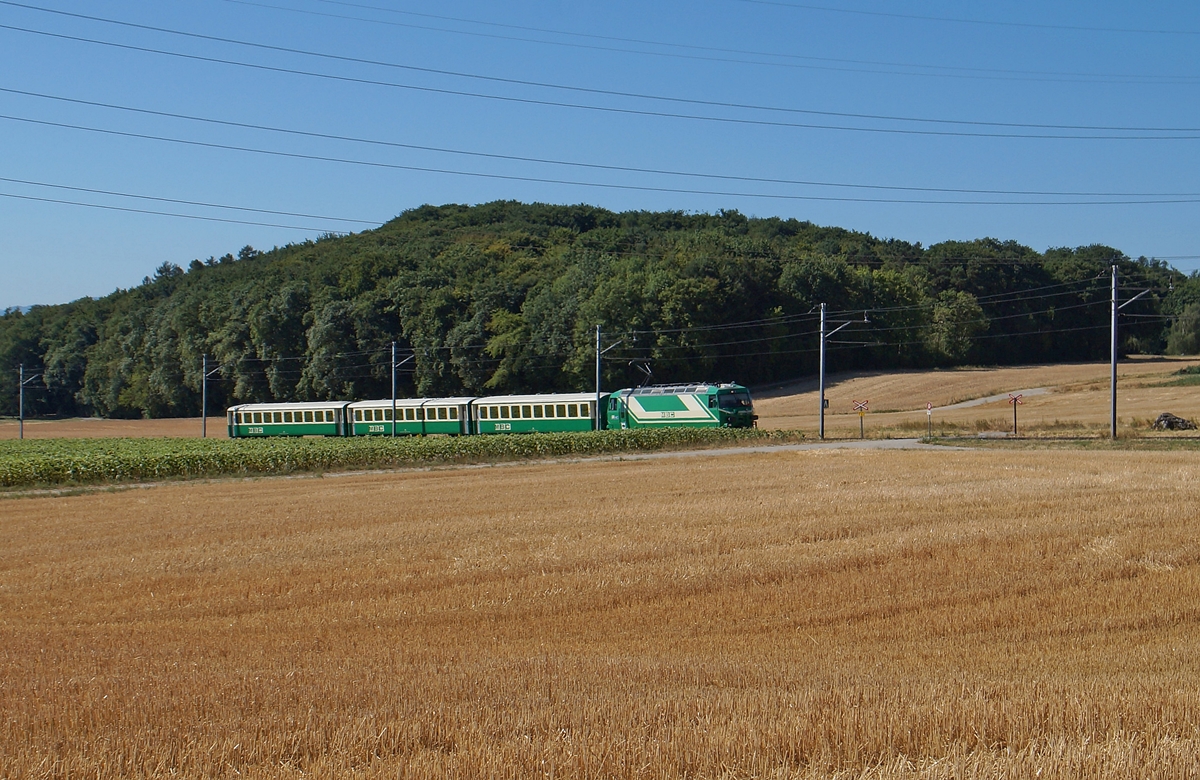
{"x":929,"y":420}
{"x":861,"y":408}
{"x":1016,"y":401}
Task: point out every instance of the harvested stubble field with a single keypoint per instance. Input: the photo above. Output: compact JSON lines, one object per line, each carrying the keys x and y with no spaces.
{"x":96,"y":428}
{"x":794,"y":614}
{"x":1076,"y":400}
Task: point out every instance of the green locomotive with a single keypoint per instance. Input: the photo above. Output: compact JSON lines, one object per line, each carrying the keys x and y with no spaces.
{"x":692,"y":406}
{"x":702,"y":405}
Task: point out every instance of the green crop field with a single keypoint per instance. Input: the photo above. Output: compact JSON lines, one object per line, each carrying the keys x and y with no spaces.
{"x":65,"y":462}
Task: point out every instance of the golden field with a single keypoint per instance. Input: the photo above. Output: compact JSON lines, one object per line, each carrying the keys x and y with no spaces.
{"x":1076,"y":401}
{"x":865,"y":614}
{"x":98,"y":428}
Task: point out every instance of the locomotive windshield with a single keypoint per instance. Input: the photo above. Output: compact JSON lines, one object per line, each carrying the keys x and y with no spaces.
{"x":734,"y":401}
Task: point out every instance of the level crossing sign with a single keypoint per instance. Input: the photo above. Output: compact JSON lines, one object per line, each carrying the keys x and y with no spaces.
{"x":861,"y":408}
{"x":1015,"y":400}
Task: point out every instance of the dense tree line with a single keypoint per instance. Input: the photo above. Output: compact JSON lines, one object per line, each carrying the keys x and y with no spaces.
{"x":506,"y":296}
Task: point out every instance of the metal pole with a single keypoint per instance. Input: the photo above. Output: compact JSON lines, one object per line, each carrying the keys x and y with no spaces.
{"x":21,"y":404}
{"x":204,"y":397}
{"x":597,"y":420}
{"x":821,"y":381}
{"x":1113,"y":333}
{"x":393,"y":389}
{"x":1015,"y":404}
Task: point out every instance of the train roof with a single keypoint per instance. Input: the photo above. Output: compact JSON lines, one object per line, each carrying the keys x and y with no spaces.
{"x":287,"y":407}
{"x":541,"y":398}
{"x":386,"y":403}
{"x":701,"y":387}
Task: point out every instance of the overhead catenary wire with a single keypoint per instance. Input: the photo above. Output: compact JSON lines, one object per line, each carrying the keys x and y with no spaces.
{"x":706,"y":345}
{"x":184,"y":202}
{"x":586,"y":165}
{"x":690,"y":51}
{"x":980,"y":22}
{"x":1171,"y":133}
{"x":577,"y":183}
{"x":128,"y":209}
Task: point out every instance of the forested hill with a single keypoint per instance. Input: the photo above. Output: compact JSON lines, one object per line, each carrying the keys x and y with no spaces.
{"x":506,"y":296}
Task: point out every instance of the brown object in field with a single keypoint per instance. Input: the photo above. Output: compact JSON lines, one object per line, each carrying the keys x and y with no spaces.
{"x":1169,"y":422}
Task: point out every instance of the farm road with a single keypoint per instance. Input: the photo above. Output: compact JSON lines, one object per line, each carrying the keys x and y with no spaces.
{"x":847,"y":444}
{"x":994,"y":398}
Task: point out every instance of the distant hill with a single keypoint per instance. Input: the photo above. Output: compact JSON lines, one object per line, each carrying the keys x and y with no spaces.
{"x":505,"y":296}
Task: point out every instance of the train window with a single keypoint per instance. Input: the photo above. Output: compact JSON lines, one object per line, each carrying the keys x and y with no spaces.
{"x":483,"y":413}
{"x":238,"y":417}
{"x":258,"y":417}
{"x":329,"y":416}
{"x":453,"y":412}
{"x":504,"y":412}
{"x":562,"y":410}
{"x":585,"y":410}
{"x":494,"y":412}
{"x":712,"y":402}
{"x":527,"y":411}
{"x":573,"y":410}
{"x":612,"y":404}
{"x":287,"y":417}
{"x":549,"y":410}
{"x":410,"y":414}
{"x":308,"y":417}
{"x":278,"y":416}
{"x":420,"y":414}
{"x":441,"y":413}
{"x":358,"y":415}
{"x":387,"y":414}
{"x":537,"y":410}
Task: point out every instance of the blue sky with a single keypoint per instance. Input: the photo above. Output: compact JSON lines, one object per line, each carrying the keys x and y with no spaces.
{"x":923,"y":121}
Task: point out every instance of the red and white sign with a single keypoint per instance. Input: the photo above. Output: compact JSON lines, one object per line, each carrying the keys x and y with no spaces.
{"x":1016,"y":399}
{"x":860,"y":406}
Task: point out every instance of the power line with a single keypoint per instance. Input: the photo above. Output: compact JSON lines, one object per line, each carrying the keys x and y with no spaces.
{"x":158,"y":213}
{"x":598,"y":185}
{"x":185,"y":202}
{"x":600,"y":92}
{"x":981,"y":22}
{"x":799,"y":61}
{"x":576,"y":164}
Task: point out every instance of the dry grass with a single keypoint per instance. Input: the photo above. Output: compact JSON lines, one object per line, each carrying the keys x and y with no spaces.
{"x":95,"y":428}
{"x":1078,"y":402}
{"x":807,"y":614}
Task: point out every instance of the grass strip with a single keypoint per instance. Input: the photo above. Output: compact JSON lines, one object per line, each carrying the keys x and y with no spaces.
{"x":65,"y":462}
{"x":1096,"y":443}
